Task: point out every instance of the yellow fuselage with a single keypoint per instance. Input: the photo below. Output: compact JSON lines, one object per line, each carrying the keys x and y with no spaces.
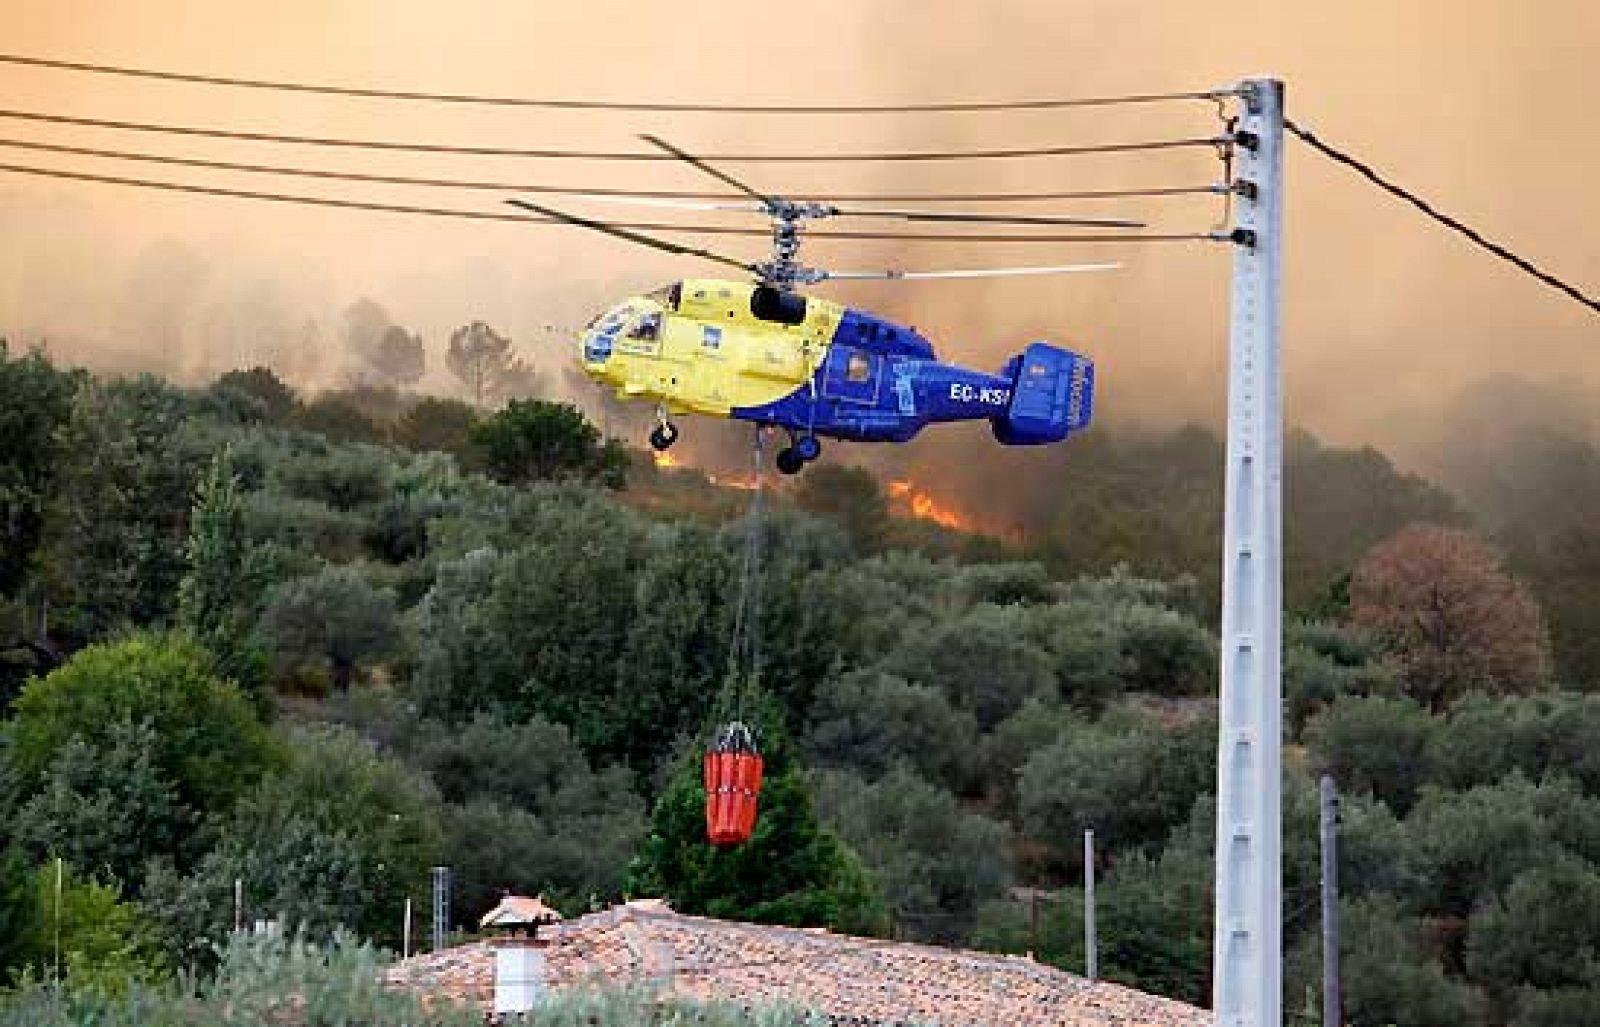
{"x":702,"y":350}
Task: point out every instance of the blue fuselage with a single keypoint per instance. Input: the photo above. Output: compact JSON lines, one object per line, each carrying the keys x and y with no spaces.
{"x":880,"y":382}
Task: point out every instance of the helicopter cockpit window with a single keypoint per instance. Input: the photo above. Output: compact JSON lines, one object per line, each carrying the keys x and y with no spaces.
{"x":858,"y":367}
{"x":648,"y":328}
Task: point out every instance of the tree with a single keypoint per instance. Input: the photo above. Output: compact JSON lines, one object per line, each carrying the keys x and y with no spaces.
{"x":221,"y":597}
{"x":869,"y":721}
{"x":1387,"y":973}
{"x":1375,"y":745}
{"x":339,"y":419}
{"x":531,"y":440}
{"x":575,"y":864}
{"x":381,"y":352}
{"x":1127,"y":776}
{"x":208,"y":742}
{"x":107,"y":809}
{"x":1167,"y":652}
{"x":128,"y":468}
{"x":20,"y":919}
{"x":1322,"y":662}
{"x":398,"y":358}
{"x":485,"y":363}
{"x":276,"y":398}
{"x":934,"y":862}
{"x":1440,"y":601}
{"x":434,"y":424}
{"x":333,"y":615}
{"x":99,"y":941}
{"x":1154,"y":917}
{"x":792,"y":870}
{"x":539,"y":631}
{"x":345,"y":478}
{"x":1466,"y":848}
{"x":1543,"y":933}
{"x":535,"y":766}
{"x":850,"y":495}
{"x":1541,"y":735}
{"x":35,"y":404}
{"x":339,"y":838}
{"x":980,"y":661}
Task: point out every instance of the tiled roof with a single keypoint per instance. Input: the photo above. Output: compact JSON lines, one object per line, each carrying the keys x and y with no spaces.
{"x":853,"y":980}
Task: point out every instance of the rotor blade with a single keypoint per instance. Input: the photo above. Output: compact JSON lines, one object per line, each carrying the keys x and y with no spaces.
{"x":985,"y":218}
{"x":985,"y":272}
{"x":631,"y":236}
{"x":690,"y":158}
{"x":664,"y":202}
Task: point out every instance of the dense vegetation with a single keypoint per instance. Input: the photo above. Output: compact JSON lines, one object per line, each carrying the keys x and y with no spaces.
{"x":318,"y":645}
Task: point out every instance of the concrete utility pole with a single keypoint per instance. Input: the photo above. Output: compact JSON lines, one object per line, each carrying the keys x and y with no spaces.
{"x":1332,"y":996}
{"x":1247,"y":947}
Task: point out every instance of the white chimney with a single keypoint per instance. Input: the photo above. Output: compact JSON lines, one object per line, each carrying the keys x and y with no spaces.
{"x":518,"y":975}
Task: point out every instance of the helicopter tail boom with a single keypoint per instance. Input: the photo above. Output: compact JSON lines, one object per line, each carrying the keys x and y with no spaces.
{"x":1052,"y":396}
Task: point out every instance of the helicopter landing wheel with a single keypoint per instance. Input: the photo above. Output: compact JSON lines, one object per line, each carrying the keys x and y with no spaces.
{"x":663,"y":435}
{"x":790,"y":461}
{"x":808,"y":448}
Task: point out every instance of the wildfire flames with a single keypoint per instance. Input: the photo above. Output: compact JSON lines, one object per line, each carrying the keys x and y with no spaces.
{"x":907,"y":496}
{"x":668,"y":462}
{"x":746,"y":482}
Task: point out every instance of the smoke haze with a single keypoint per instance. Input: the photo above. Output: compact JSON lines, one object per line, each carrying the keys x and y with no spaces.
{"x":1483,"y":106}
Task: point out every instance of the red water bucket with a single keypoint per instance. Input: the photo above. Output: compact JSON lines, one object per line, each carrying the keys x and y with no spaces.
{"x":733,"y":786}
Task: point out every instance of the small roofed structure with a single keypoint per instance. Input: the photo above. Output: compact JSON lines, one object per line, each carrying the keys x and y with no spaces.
{"x":519,"y":971}
{"x":518,"y":914}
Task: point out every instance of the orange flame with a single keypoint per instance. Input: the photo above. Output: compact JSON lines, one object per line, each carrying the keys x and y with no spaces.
{"x":665,"y":461}
{"x":912,"y":499}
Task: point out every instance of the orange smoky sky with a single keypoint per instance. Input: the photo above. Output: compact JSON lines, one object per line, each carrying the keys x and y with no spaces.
{"x":1485,"y":106}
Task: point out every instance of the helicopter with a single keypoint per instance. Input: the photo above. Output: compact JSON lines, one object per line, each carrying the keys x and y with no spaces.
{"x":760,"y":351}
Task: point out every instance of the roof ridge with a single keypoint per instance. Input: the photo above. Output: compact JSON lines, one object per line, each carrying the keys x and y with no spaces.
{"x":862,"y":943}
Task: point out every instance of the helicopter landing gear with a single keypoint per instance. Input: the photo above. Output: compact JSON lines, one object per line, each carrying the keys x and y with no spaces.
{"x":801,"y":451}
{"x":664,"y":434}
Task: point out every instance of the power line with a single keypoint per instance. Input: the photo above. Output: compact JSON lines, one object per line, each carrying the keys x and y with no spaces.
{"x":601,"y":155}
{"x":503,"y":187}
{"x":610,"y":105}
{"x":1367,"y":172}
{"x":326,"y":201}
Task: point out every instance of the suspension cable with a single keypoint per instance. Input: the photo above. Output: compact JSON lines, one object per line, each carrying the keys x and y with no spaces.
{"x":476,"y":215}
{"x":744,"y":652}
{"x":519,"y":187}
{"x":1367,"y":172}
{"x":606,"y":105}
{"x":606,"y":155}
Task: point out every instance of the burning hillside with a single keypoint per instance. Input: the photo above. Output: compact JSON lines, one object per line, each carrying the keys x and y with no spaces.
{"x":907,"y":499}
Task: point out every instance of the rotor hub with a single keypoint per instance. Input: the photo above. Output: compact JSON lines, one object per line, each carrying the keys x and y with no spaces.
{"x":784,"y":271}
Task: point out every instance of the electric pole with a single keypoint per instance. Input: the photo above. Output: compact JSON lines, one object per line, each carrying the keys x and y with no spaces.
{"x":1247,"y":946}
